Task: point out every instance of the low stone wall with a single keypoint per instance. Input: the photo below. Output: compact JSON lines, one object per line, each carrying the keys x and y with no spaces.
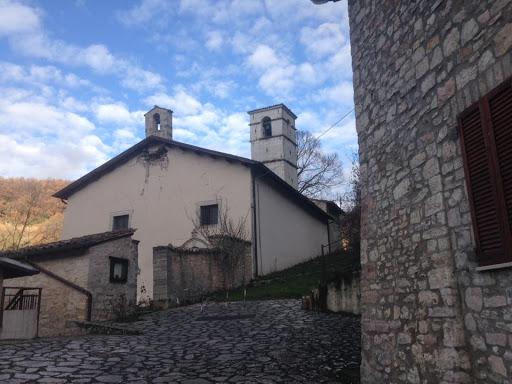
{"x":344,"y":295}
{"x":190,"y":274}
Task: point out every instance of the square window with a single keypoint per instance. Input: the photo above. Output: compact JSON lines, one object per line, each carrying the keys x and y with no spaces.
{"x":118,"y":270}
{"x":209,"y":214}
{"x":120,"y":222}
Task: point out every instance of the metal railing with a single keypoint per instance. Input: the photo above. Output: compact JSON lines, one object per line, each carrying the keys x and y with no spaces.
{"x":21,"y":299}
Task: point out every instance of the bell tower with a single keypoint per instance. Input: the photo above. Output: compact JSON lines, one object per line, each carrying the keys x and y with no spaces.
{"x":274,"y":140}
{"x":159,"y":122}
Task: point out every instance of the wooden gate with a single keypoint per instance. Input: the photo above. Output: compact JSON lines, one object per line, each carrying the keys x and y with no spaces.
{"x":20,"y":317}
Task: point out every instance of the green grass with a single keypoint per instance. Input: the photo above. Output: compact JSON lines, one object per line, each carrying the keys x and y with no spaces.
{"x":292,"y":283}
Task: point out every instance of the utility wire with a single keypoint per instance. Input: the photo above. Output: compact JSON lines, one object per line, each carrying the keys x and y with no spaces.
{"x":327,"y":130}
{"x":336,"y":123}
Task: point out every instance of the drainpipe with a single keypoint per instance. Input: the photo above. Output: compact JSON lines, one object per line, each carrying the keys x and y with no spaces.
{"x":69,"y":284}
{"x":254,"y":224}
{"x":329,"y":234}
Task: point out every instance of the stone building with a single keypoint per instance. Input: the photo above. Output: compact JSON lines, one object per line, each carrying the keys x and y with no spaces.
{"x":433,"y":97}
{"x":90,"y":278}
{"x":168,"y":190}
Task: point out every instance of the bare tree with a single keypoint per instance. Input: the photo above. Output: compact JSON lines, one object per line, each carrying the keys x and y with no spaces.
{"x":231,"y":238}
{"x":317,"y":172}
{"x":351,"y":219}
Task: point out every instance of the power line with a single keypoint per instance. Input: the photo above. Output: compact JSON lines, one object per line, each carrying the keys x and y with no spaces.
{"x":336,"y":123}
{"x":327,"y":130}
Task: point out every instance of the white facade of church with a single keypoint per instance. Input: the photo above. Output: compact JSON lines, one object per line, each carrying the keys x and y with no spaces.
{"x":163,"y":188}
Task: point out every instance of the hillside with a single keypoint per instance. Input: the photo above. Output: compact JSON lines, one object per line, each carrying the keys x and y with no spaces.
{"x":29,"y":215}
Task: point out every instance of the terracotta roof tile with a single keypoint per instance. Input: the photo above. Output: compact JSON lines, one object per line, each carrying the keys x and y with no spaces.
{"x":66,"y":245}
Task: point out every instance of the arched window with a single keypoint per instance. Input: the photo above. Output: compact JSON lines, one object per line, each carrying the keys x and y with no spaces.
{"x":156,"y":117}
{"x":267,"y":126}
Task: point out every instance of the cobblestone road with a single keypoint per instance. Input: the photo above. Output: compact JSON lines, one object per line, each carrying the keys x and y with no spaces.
{"x":253,"y":342}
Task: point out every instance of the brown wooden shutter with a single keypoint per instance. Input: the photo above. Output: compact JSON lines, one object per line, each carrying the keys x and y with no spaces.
{"x":486,"y":138}
{"x":480,"y":187}
{"x":500,"y":126}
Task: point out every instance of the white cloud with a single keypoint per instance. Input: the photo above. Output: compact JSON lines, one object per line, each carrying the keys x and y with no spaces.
{"x":97,"y":57}
{"x":17,"y":18}
{"x":123,"y":139}
{"x":325,"y":40}
{"x":225,"y":133}
{"x":278,"y":77}
{"x":30,"y":39}
{"x":118,"y":114}
{"x":38,"y":75}
{"x":339,"y":65}
{"x":148,"y":12}
{"x":214,"y":40}
{"x":181,"y":102}
{"x":41,"y":140}
{"x":263,"y":58}
{"x":340,"y":94}
{"x":306,"y":10}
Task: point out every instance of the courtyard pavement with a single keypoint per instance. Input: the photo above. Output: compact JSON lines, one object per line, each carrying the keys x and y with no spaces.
{"x":252,"y":342}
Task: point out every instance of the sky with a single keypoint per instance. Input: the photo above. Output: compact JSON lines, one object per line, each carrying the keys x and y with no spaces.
{"x":77,"y":76}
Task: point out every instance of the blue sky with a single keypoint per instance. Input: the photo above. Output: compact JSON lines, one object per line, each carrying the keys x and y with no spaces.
{"x":76,"y":77}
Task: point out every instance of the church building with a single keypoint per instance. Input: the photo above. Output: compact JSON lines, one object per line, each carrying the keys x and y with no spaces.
{"x":166,"y":189}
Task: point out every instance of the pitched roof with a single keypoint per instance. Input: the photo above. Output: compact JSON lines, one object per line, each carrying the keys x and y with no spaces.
{"x":260,"y":169}
{"x":13,"y":268}
{"x":67,"y":245}
{"x":272,"y":107}
{"x":155,"y":107}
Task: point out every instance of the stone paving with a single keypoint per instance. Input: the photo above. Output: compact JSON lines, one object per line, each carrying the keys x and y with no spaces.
{"x":253,"y":342}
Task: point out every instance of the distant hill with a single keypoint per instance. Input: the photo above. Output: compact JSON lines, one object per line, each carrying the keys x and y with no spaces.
{"x":29,"y":215}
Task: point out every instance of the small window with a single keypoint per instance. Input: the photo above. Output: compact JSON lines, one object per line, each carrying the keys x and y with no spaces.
{"x":120,"y":222}
{"x":209,"y":214}
{"x":267,"y":126}
{"x":118,"y":270}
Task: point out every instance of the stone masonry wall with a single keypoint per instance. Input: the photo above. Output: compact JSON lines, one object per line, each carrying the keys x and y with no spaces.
{"x":427,"y":315}
{"x":59,"y":302}
{"x":190,"y":275}
{"x":111,"y":300}
{"x":345,"y":295}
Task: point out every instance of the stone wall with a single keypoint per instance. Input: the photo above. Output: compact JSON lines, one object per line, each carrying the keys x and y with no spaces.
{"x":427,"y":315}
{"x":344,"y":295}
{"x":111,"y":300}
{"x":59,"y":302}
{"x":191,"y":274}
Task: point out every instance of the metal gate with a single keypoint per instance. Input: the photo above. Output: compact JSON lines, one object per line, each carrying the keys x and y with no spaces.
{"x":20,"y":315}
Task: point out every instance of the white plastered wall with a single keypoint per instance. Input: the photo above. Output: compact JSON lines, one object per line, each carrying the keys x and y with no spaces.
{"x":162,"y":201}
{"x":287,"y":234}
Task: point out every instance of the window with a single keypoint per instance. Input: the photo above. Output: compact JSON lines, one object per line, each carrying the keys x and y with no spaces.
{"x":209,"y":214}
{"x":267,"y":126}
{"x":118,"y":270}
{"x":485,"y":131}
{"x":120,"y":222}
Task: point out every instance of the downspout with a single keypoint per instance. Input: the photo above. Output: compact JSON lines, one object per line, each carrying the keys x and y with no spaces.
{"x":69,"y":284}
{"x":255,"y":224}
{"x":329,"y":235}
